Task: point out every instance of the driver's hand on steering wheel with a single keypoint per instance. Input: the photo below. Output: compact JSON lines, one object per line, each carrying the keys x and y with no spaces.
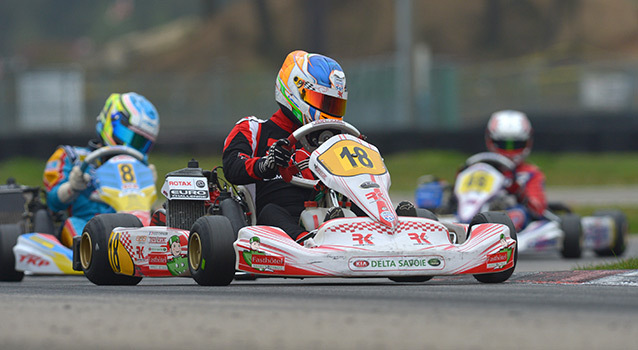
{"x":78,"y":179}
{"x":277,"y":156}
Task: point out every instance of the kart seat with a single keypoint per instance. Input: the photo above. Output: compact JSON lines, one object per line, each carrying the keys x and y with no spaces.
{"x":457,"y":230}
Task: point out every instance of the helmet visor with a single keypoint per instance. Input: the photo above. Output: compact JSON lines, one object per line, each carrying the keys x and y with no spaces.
{"x":327,"y":104}
{"x":126,"y":136}
{"x":510,"y":145}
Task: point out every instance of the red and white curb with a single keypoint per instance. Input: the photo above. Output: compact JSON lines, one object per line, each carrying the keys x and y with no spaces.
{"x":596,"y":277}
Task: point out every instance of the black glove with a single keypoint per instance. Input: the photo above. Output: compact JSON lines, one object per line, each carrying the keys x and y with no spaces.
{"x":277,"y":156}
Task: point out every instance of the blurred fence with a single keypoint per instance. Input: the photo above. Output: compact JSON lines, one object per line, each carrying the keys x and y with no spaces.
{"x":449,"y":99}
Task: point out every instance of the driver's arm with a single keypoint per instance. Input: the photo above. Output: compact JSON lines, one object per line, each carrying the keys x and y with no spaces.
{"x":239,"y":156}
{"x":533,"y":195}
{"x":62,"y":180}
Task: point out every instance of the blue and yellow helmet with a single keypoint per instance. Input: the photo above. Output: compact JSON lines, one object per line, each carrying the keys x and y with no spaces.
{"x":312,"y":87}
{"x":128,"y":119}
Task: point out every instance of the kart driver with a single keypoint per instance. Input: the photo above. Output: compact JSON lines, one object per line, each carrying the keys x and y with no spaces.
{"x":308,"y":87}
{"x":126,"y":119}
{"x":509,"y":133}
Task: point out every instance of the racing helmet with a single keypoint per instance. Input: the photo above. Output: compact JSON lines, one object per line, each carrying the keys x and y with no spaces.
{"x":312,"y":87}
{"x":128,"y":119}
{"x":509,"y":133}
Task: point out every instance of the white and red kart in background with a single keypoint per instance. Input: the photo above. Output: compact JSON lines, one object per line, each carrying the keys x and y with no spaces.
{"x":381,"y":244}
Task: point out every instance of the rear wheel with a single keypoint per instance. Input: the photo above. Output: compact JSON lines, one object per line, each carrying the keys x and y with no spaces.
{"x":94,"y":251}
{"x":8,"y":238}
{"x":621,"y":230}
{"x":492,"y":217}
{"x":42,"y":222}
{"x":211,"y":256}
{"x":572,"y":242}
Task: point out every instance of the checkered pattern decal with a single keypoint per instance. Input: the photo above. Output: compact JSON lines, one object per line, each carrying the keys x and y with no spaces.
{"x":373,"y":226}
{"x":125,"y":240}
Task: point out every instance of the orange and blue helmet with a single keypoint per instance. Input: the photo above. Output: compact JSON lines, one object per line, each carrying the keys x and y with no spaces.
{"x":312,"y":87}
{"x":128,"y":119}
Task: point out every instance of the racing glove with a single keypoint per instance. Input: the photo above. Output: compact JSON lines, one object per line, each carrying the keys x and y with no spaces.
{"x":277,"y":156}
{"x":78,"y":182}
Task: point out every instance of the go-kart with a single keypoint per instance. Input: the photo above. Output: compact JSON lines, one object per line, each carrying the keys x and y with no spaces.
{"x":480,"y":186}
{"x":123,"y":181}
{"x":118,"y":249}
{"x":379,"y":244}
{"x":21,"y":210}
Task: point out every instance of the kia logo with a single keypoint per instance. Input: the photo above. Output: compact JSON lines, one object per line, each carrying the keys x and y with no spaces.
{"x":361,"y":263}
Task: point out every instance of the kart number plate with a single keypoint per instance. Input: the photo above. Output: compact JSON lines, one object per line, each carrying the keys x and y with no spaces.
{"x":477,"y":181}
{"x":351,"y":158}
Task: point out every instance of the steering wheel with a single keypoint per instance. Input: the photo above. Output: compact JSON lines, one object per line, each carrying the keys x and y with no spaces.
{"x":109,"y":151}
{"x":311,"y":136}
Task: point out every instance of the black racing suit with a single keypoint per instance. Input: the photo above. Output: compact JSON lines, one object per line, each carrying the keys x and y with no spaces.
{"x":277,"y":202}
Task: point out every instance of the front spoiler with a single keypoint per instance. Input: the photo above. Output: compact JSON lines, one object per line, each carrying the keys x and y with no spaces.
{"x":43,"y":254}
{"x":360,"y":247}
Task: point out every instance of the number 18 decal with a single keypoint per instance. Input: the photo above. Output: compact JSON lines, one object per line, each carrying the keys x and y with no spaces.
{"x":349,"y":158}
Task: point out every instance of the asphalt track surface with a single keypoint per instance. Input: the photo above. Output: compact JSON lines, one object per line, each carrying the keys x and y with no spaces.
{"x":544,"y":305}
{"x":551,"y":309}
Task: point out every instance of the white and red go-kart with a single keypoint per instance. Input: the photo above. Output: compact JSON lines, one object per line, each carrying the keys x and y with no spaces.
{"x":381,"y":244}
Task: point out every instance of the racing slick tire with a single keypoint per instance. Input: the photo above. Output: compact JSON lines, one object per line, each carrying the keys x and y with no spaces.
{"x":621,"y":230}
{"x":421,"y":213}
{"x":211,"y":256}
{"x":571,"y":226}
{"x":42,"y":222}
{"x":493,"y":217}
{"x":94,"y":251}
{"x":424,"y":213}
{"x":8,"y":238}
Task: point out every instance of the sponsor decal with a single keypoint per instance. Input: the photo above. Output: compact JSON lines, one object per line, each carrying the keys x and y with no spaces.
{"x":369,"y":184}
{"x":387,"y":216}
{"x":434,"y":262}
{"x":180,"y":183}
{"x":375,"y":195}
{"x":189,"y":194}
{"x":360,"y":239}
{"x":498,"y":260}
{"x":267,"y":262}
{"x":157,"y":259}
{"x":419,"y":238}
{"x":162,"y":249}
{"x":361,"y":263}
{"x":319,"y":171}
{"x":200,"y":183}
{"x":130,"y":186}
{"x":396,"y":263}
{"x":34,"y":260}
{"x":158,"y":233}
{"x":157,"y":240}
{"x":140,"y":239}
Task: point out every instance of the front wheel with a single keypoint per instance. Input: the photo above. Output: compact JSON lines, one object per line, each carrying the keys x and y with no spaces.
{"x":620,"y":232}
{"x":211,"y":256}
{"x":572,"y":229}
{"x":8,"y":238}
{"x":411,"y":279}
{"x":492,"y":217}
{"x":94,"y":250}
